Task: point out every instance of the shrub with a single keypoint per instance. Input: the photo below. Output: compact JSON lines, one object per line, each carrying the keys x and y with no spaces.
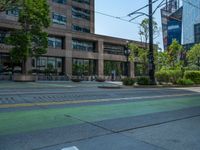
{"x":143,"y":81}
{"x":98,"y":79}
{"x":162,"y":76}
{"x":185,"y":82}
{"x":169,"y":76}
{"x":193,"y":75}
{"x":175,"y":75}
{"x":128,"y":81}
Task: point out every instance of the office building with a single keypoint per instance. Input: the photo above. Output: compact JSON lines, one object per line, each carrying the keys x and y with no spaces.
{"x":74,"y":48}
{"x":171,"y":18}
{"x":191,"y":23}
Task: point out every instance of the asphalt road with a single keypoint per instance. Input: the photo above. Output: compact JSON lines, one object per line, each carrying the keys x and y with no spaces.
{"x":55,"y":116}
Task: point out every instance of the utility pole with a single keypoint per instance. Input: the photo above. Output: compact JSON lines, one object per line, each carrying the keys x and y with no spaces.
{"x":151,"y":47}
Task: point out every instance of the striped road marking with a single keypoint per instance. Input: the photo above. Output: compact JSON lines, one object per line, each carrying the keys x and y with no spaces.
{"x":90,"y":101}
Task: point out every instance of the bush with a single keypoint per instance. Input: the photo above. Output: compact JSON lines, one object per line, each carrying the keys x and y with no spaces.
{"x":143,"y":81}
{"x":128,"y":81}
{"x":169,"y":76}
{"x":193,"y":75}
{"x":162,"y":76}
{"x":98,"y":79}
{"x":185,"y":82}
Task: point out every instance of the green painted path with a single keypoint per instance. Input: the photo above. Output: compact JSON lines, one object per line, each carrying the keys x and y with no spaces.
{"x":32,"y":120}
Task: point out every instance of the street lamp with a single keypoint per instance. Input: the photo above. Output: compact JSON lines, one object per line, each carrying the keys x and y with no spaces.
{"x":127,"y":53}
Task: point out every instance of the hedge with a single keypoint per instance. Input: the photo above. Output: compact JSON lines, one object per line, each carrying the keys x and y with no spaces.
{"x":128,"y":81}
{"x":185,"y":82}
{"x":193,"y":75}
{"x":169,"y":76}
{"x":143,"y":81}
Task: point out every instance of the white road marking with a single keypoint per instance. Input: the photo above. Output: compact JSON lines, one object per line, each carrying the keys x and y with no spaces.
{"x":70,"y":148}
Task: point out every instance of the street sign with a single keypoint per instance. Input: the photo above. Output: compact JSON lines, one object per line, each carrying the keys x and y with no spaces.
{"x":70,"y":148}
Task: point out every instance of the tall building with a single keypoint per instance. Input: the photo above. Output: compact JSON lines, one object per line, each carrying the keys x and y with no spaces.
{"x":73,"y":49}
{"x":171,"y":18}
{"x":191,"y":22}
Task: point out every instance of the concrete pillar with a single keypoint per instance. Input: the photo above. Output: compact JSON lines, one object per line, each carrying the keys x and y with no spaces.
{"x":29,"y":64}
{"x":68,"y":66}
{"x":132,"y":70}
{"x":68,"y":55}
{"x":100,"y":48}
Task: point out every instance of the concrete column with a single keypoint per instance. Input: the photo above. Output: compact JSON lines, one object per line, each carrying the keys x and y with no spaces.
{"x":132,"y":70}
{"x":68,"y":55}
{"x":100,"y":48}
{"x":29,"y":64}
{"x":68,"y":66}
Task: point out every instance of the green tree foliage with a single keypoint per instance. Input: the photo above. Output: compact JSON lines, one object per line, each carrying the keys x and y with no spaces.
{"x":140,"y":55}
{"x":170,"y":59}
{"x":193,"y":55}
{"x":30,"y":40}
{"x":8,"y":4}
{"x":174,"y":52}
{"x":144,"y":30}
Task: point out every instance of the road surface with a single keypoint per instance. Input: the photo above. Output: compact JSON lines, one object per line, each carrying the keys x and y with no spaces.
{"x":54,"y":116}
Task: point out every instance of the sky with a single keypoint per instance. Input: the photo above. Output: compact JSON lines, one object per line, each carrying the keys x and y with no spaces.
{"x":121,"y":8}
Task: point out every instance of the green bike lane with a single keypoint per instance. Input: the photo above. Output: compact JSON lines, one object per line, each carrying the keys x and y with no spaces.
{"x":40,"y":119}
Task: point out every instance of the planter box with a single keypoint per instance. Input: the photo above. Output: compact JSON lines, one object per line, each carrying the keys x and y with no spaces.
{"x":24,"y":78}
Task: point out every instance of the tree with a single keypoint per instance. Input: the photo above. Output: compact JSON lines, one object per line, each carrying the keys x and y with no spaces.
{"x":8,"y":4}
{"x":144,"y":31}
{"x":162,"y":61}
{"x":174,"y":51}
{"x":139,"y":55}
{"x":193,"y":56}
{"x":30,"y":40}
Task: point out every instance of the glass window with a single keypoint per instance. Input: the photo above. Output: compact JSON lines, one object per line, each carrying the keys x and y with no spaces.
{"x":118,"y":67}
{"x":59,"y":19}
{"x":60,"y":1}
{"x":113,"y":49}
{"x":2,"y":36}
{"x":83,"y":45}
{"x":56,"y":42}
{"x":5,"y":63}
{"x":59,"y":62}
{"x":49,"y":64}
{"x":197,"y":33}
{"x":83,"y":1}
{"x":80,"y":13}
{"x":84,"y":67}
{"x":80,"y":29}
{"x":13,"y":12}
{"x":33,"y":63}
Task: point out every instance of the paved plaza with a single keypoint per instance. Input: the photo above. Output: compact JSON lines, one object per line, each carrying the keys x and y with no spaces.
{"x":59,"y":115}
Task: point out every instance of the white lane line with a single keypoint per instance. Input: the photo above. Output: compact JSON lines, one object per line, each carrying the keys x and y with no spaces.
{"x":70,"y":148}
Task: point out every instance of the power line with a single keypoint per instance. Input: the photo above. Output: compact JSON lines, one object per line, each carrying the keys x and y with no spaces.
{"x":115,"y":17}
{"x":130,"y":14}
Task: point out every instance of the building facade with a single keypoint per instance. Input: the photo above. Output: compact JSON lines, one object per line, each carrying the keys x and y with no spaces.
{"x":171,"y":18}
{"x":191,"y":23}
{"x":74,"y":49}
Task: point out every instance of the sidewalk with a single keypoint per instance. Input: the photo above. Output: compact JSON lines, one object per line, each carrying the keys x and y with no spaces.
{"x":54,"y":84}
